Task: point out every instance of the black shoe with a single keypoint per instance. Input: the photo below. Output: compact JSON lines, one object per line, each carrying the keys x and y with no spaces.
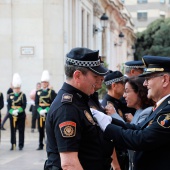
{"x":2,"y":128}
{"x":39,"y":148}
{"x":20,"y":148}
{"x":12,"y":147}
{"x":32,"y":130}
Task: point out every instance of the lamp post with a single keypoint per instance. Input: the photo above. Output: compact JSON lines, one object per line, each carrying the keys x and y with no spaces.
{"x":104,"y":21}
{"x":121,"y":36}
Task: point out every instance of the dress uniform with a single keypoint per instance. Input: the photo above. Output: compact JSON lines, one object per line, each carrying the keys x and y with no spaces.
{"x":16,"y":107}
{"x":43,"y":99}
{"x":150,"y":139}
{"x":70,"y":126}
{"x":116,"y":77}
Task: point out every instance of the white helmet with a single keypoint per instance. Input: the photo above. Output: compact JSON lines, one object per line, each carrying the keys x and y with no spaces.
{"x":45,"y":76}
{"x":16,"y":81}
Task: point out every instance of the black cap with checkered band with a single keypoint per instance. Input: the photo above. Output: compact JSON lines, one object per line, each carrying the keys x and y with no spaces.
{"x":84,"y":57}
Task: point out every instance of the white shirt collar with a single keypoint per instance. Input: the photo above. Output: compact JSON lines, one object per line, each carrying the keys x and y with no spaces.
{"x":160,"y":101}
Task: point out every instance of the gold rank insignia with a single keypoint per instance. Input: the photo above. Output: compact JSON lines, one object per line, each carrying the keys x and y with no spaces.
{"x":89,"y":117}
{"x":38,"y":93}
{"x":164,"y":120}
{"x":68,"y":129}
{"x":67,"y":97}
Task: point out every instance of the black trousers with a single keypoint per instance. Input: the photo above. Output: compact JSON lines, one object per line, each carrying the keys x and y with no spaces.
{"x":20,"y":126}
{"x":41,"y":129}
{"x":34,"y":116}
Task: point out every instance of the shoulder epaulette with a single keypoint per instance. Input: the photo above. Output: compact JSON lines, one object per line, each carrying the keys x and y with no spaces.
{"x":39,"y":92}
{"x":66,"y":97}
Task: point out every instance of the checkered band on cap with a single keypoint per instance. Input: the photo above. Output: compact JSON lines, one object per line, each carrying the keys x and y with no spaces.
{"x":114,"y":80}
{"x":136,"y":66}
{"x":84,"y":63}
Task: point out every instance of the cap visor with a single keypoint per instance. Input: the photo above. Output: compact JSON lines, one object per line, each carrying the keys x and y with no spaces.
{"x":145,"y":74}
{"x":99,"y":70}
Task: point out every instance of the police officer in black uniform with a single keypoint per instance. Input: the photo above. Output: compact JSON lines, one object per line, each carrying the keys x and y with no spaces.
{"x":16,"y":107}
{"x":1,"y":105}
{"x":150,"y":139}
{"x":95,"y":104}
{"x":74,"y":140}
{"x":43,"y":99}
{"x":114,"y":81}
{"x":133,"y":68}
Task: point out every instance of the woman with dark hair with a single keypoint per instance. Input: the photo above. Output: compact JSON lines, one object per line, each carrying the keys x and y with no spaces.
{"x":136,"y":97}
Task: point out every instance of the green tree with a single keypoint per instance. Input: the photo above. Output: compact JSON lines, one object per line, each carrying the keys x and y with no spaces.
{"x":155,"y":40}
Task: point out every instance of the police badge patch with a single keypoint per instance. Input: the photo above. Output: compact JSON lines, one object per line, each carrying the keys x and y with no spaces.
{"x":89,"y":117}
{"x":164,"y":120}
{"x":68,"y":129}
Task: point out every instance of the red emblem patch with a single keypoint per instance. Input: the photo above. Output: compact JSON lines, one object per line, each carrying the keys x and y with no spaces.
{"x":68,"y":129}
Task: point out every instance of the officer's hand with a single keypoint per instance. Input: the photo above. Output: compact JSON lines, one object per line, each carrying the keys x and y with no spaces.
{"x":15,"y":112}
{"x":42,"y":112}
{"x":110,"y":109}
{"x":102,"y":119}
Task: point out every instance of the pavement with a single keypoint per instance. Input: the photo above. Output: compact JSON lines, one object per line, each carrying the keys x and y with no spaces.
{"x":27,"y":159}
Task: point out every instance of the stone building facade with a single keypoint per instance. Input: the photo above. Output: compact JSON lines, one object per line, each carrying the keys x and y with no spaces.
{"x":36,"y":35}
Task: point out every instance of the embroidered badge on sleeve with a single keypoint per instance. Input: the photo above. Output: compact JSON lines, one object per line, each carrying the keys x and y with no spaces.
{"x":68,"y":129}
{"x":164,"y":120}
{"x":89,"y":117}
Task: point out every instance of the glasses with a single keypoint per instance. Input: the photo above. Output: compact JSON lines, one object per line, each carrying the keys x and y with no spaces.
{"x":151,"y":77}
{"x":127,"y":91}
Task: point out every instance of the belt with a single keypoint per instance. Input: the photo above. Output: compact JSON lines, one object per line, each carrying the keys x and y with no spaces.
{"x":44,"y":104}
{"x":15,"y":107}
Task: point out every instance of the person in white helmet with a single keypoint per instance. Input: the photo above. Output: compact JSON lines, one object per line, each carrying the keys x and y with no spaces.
{"x":16,"y":106}
{"x":43,"y":99}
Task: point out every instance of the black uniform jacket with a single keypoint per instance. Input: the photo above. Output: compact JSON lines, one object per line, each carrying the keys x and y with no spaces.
{"x":150,"y":139}
{"x":1,"y":100}
{"x":44,"y":98}
{"x":94,"y":102}
{"x":71,"y":128}
{"x":17,"y":101}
